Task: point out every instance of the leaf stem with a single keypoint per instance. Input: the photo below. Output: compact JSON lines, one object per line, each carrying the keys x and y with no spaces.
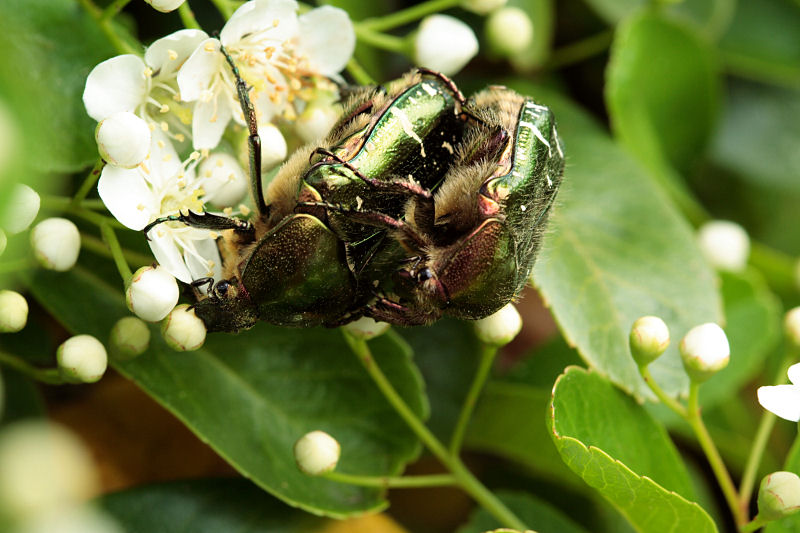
{"x":580,"y":50}
{"x":224,"y":8}
{"x":666,"y":399}
{"x":88,"y":183}
{"x":393,"y":482}
{"x":113,"y":9}
{"x":411,"y":14}
{"x":50,"y":376}
{"x":64,"y":204}
{"x":108,"y":29}
{"x":116,"y":252}
{"x":753,"y":525}
{"x":384,"y":41}
{"x":465,"y":478}
{"x":358,"y":73}
{"x":488,"y":354}
{"x":187,"y":17}
{"x":99,"y":247}
{"x":712,"y":454}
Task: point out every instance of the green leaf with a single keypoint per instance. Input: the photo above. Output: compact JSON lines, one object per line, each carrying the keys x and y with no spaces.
{"x":51,"y":45}
{"x":251,"y":396}
{"x":616,"y":250}
{"x":205,"y":506}
{"x":662,"y":90}
{"x":19,"y":397}
{"x":535,"y":513}
{"x":613,"y":11}
{"x":617,"y":448}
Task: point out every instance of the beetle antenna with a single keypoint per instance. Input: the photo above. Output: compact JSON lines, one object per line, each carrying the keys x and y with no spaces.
{"x":253,"y":141}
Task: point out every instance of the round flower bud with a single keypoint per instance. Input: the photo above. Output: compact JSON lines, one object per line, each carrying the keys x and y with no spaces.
{"x":165,"y":6}
{"x":316,"y":121}
{"x":56,"y":243}
{"x":366,"y":328}
{"x":316,"y":453}
{"x":725,"y":245}
{"x":130,"y":337}
{"x":152,"y":293}
{"x":43,"y":466}
{"x":482,"y":7}
{"x":500,"y":328}
{"x":183,"y":330}
{"x":20,"y":210}
{"x":444,"y":43}
{"x":82,"y":359}
{"x":224,"y":180}
{"x":778,"y":495}
{"x":3,"y":241}
{"x":705,"y":351}
{"x":123,"y":139}
{"x":509,"y":31}
{"x":791,"y":325}
{"x":13,"y":311}
{"x":648,"y":340}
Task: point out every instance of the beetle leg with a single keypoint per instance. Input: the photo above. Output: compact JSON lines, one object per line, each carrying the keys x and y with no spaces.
{"x":447,"y":81}
{"x":385,"y":310}
{"x":206,"y":221}
{"x":196,"y":284}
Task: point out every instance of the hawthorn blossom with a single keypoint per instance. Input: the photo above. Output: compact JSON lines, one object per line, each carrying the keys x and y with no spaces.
{"x":783,"y":400}
{"x":283,"y":58}
{"x":161,"y":186}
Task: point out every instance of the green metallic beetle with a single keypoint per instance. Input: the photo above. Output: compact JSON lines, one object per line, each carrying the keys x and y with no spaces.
{"x":476,"y":253}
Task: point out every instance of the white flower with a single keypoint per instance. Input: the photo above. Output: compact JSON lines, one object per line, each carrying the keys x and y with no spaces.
{"x":129,"y":337}
{"x":277,"y":53}
{"x":783,"y":400}
{"x":152,"y":293}
{"x":123,"y":139}
{"x":21,"y":209}
{"x":501,"y":327}
{"x":13,"y":311}
{"x":70,"y":519}
{"x":367,"y":328}
{"x":161,"y":186}
{"x":225,"y":181}
{"x":509,"y":30}
{"x":165,"y":6}
{"x":482,"y":7}
{"x":724,"y":244}
{"x":316,"y":453}
{"x":705,"y":351}
{"x":82,"y":359}
{"x":183,"y":330}
{"x":444,"y":43}
{"x":56,"y":243}
{"x":649,"y":338}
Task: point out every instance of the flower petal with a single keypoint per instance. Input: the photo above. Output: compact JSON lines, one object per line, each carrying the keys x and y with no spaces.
{"x":208,"y":263}
{"x":327,"y":37}
{"x":209,"y":121}
{"x":260,"y":17}
{"x":166,"y":252}
{"x":116,"y":84}
{"x":794,"y":374}
{"x":166,"y":55}
{"x":127,"y":196}
{"x":783,"y":400}
{"x":163,"y":163}
{"x":199,"y":70}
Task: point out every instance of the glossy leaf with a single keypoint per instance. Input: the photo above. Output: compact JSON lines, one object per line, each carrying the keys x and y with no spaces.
{"x":535,"y":513}
{"x":251,"y":396}
{"x":609,"y":440}
{"x":616,"y":250}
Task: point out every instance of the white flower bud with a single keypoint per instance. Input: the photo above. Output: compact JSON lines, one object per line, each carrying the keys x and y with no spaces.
{"x":482,"y":7}
{"x":705,"y":351}
{"x":724,"y":244}
{"x":21,"y":209}
{"x":70,"y":519}
{"x":648,"y":340}
{"x":273,"y":147}
{"x":791,"y":325}
{"x":366,"y":328}
{"x":500,"y":328}
{"x":183,"y":330}
{"x":130,"y":337}
{"x":152,"y":293}
{"x":13,"y":311}
{"x":123,"y":139}
{"x":778,"y":495}
{"x":43,"y":466}
{"x":444,"y":43}
{"x":316,"y":453}
{"x":316,"y":121}
{"x":3,"y":241}
{"x":509,"y":31}
{"x":783,"y":400}
{"x":82,"y":359}
{"x":224,"y":180}
{"x":56,"y":243}
{"x":165,"y":6}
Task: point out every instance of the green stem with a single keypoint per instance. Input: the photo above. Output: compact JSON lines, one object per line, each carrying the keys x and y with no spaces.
{"x":64,"y":204}
{"x":108,"y":29}
{"x":393,"y":482}
{"x":411,"y":14}
{"x":358,"y":73}
{"x":224,"y":8}
{"x":113,"y":9}
{"x":488,"y":354}
{"x":116,"y":252}
{"x":88,"y":183}
{"x":187,"y":17}
{"x":580,"y":50}
{"x":753,"y":525}
{"x":712,"y":454}
{"x":464,"y":477}
{"x":384,"y":41}
{"x":666,"y":399}
{"x":778,"y":267}
{"x":93,"y":244}
{"x":45,"y":375}
{"x":7,"y":267}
